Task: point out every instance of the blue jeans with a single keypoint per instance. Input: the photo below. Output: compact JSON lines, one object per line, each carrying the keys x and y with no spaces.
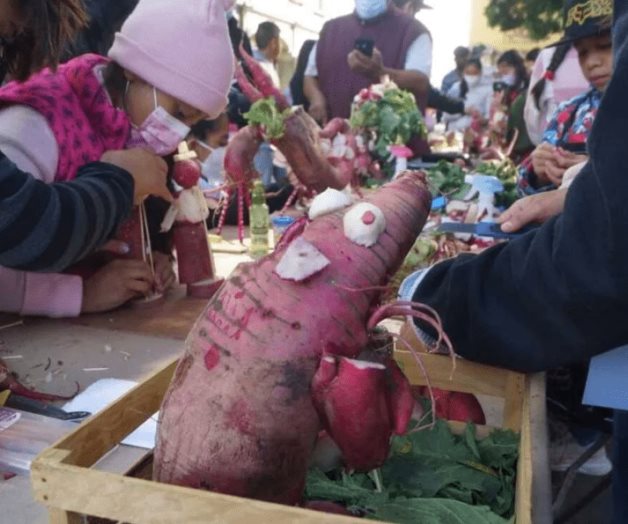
{"x":620,"y":468}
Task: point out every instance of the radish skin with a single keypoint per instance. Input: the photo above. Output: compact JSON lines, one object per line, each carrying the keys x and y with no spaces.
{"x":239,"y":417}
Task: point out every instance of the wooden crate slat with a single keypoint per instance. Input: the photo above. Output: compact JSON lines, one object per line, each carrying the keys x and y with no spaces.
{"x":62,"y":481}
{"x":74,"y":489}
{"x":100,"y":434}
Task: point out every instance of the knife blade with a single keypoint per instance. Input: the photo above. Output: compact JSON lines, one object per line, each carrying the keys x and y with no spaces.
{"x":484,"y":229}
{"x":39,"y":408}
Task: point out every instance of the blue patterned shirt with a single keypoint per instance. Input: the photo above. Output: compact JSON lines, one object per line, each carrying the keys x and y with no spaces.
{"x":571,"y":124}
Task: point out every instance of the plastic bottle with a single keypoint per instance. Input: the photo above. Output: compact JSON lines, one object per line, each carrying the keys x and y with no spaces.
{"x":259,"y":221}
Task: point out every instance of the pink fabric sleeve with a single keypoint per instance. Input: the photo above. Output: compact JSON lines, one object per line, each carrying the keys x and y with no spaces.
{"x":27,"y":140}
{"x":42,"y":294}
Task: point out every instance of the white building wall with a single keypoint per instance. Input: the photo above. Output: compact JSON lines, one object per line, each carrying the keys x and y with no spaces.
{"x":299,"y":20}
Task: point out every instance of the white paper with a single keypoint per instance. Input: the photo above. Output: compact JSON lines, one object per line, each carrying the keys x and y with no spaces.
{"x":102,"y":393}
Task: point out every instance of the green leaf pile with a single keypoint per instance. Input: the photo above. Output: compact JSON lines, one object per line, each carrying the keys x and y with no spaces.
{"x":394,"y":119}
{"x":447,"y":178}
{"x":265,"y":113}
{"x":432,"y":477}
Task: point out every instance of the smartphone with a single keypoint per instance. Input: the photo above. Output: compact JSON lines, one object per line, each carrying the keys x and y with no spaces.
{"x":498,"y":87}
{"x":365,"y":46}
{"x":576,"y":149}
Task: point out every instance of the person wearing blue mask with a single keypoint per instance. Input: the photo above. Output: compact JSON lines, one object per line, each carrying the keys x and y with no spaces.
{"x":558,"y":295}
{"x":337,"y":71}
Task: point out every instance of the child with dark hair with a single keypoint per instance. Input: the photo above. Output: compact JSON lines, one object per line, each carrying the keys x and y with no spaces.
{"x":556,"y":77}
{"x":565,"y":138}
{"x":476,"y":95}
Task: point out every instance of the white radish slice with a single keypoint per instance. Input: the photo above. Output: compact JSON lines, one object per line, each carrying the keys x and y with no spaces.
{"x":328,"y":201}
{"x":364,"y":223}
{"x":300,"y":261}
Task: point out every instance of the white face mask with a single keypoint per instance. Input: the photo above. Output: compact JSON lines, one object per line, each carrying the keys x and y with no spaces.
{"x":472,"y":80}
{"x":160,"y":133}
{"x":509,"y":80}
{"x":368,"y":9}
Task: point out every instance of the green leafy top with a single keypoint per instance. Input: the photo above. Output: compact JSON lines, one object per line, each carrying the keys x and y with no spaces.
{"x":265,"y":113}
{"x":390,"y":114}
{"x":447,"y":178}
{"x":432,"y":476}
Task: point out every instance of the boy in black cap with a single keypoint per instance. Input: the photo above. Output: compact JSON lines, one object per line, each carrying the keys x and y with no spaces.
{"x":588,"y":28}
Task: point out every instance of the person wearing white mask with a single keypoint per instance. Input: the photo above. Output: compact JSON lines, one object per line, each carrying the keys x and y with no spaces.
{"x":511,"y":99}
{"x":209,"y":142}
{"x":337,"y":71}
{"x":476,"y":94}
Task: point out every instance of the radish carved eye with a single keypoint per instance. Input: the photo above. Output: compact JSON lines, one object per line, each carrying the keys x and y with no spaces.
{"x":364,"y":223}
{"x":300,"y":261}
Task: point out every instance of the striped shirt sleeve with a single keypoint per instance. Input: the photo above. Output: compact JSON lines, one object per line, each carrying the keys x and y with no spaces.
{"x":49,"y":227}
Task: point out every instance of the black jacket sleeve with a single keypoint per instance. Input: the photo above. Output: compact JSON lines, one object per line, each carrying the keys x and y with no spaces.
{"x":558,"y":295}
{"x":446,"y":104}
{"x":49,"y":227}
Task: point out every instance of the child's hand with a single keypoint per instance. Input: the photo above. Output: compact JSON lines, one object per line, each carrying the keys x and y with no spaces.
{"x":115,"y":284}
{"x":148,"y":171}
{"x":164,"y":272}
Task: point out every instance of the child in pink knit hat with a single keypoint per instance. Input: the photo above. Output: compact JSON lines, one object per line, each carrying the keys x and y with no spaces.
{"x":170,"y":66}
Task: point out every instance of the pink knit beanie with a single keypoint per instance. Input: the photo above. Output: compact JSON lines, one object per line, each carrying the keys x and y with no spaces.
{"x":181,"y":47}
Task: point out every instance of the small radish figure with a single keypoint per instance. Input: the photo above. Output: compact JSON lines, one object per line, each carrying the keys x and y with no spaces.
{"x":187,"y":218}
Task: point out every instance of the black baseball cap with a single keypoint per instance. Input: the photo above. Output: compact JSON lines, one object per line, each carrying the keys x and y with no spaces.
{"x":586,"y":18}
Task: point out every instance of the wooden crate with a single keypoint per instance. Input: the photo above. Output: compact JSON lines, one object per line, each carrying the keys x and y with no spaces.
{"x":63,"y":478}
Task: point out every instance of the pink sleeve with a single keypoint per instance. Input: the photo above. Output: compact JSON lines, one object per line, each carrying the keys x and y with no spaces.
{"x":43,"y":294}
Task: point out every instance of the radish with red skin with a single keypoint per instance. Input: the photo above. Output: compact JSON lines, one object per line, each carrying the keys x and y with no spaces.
{"x":262,"y":81}
{"x":454,"y":406}
{"x":248,"y":425}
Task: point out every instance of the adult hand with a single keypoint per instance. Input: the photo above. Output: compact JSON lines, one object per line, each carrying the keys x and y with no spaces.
{"x":372,"y":67}
{"x":164,"y":272}
{"x":542,"y":156}
{"x":115,"y":284}
{"x":147,"y":169}
{"x":533,"y":209}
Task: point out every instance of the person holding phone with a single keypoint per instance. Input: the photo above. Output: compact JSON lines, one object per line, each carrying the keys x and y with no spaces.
{"x":357,"y":50}
{"x":564,"y":141}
